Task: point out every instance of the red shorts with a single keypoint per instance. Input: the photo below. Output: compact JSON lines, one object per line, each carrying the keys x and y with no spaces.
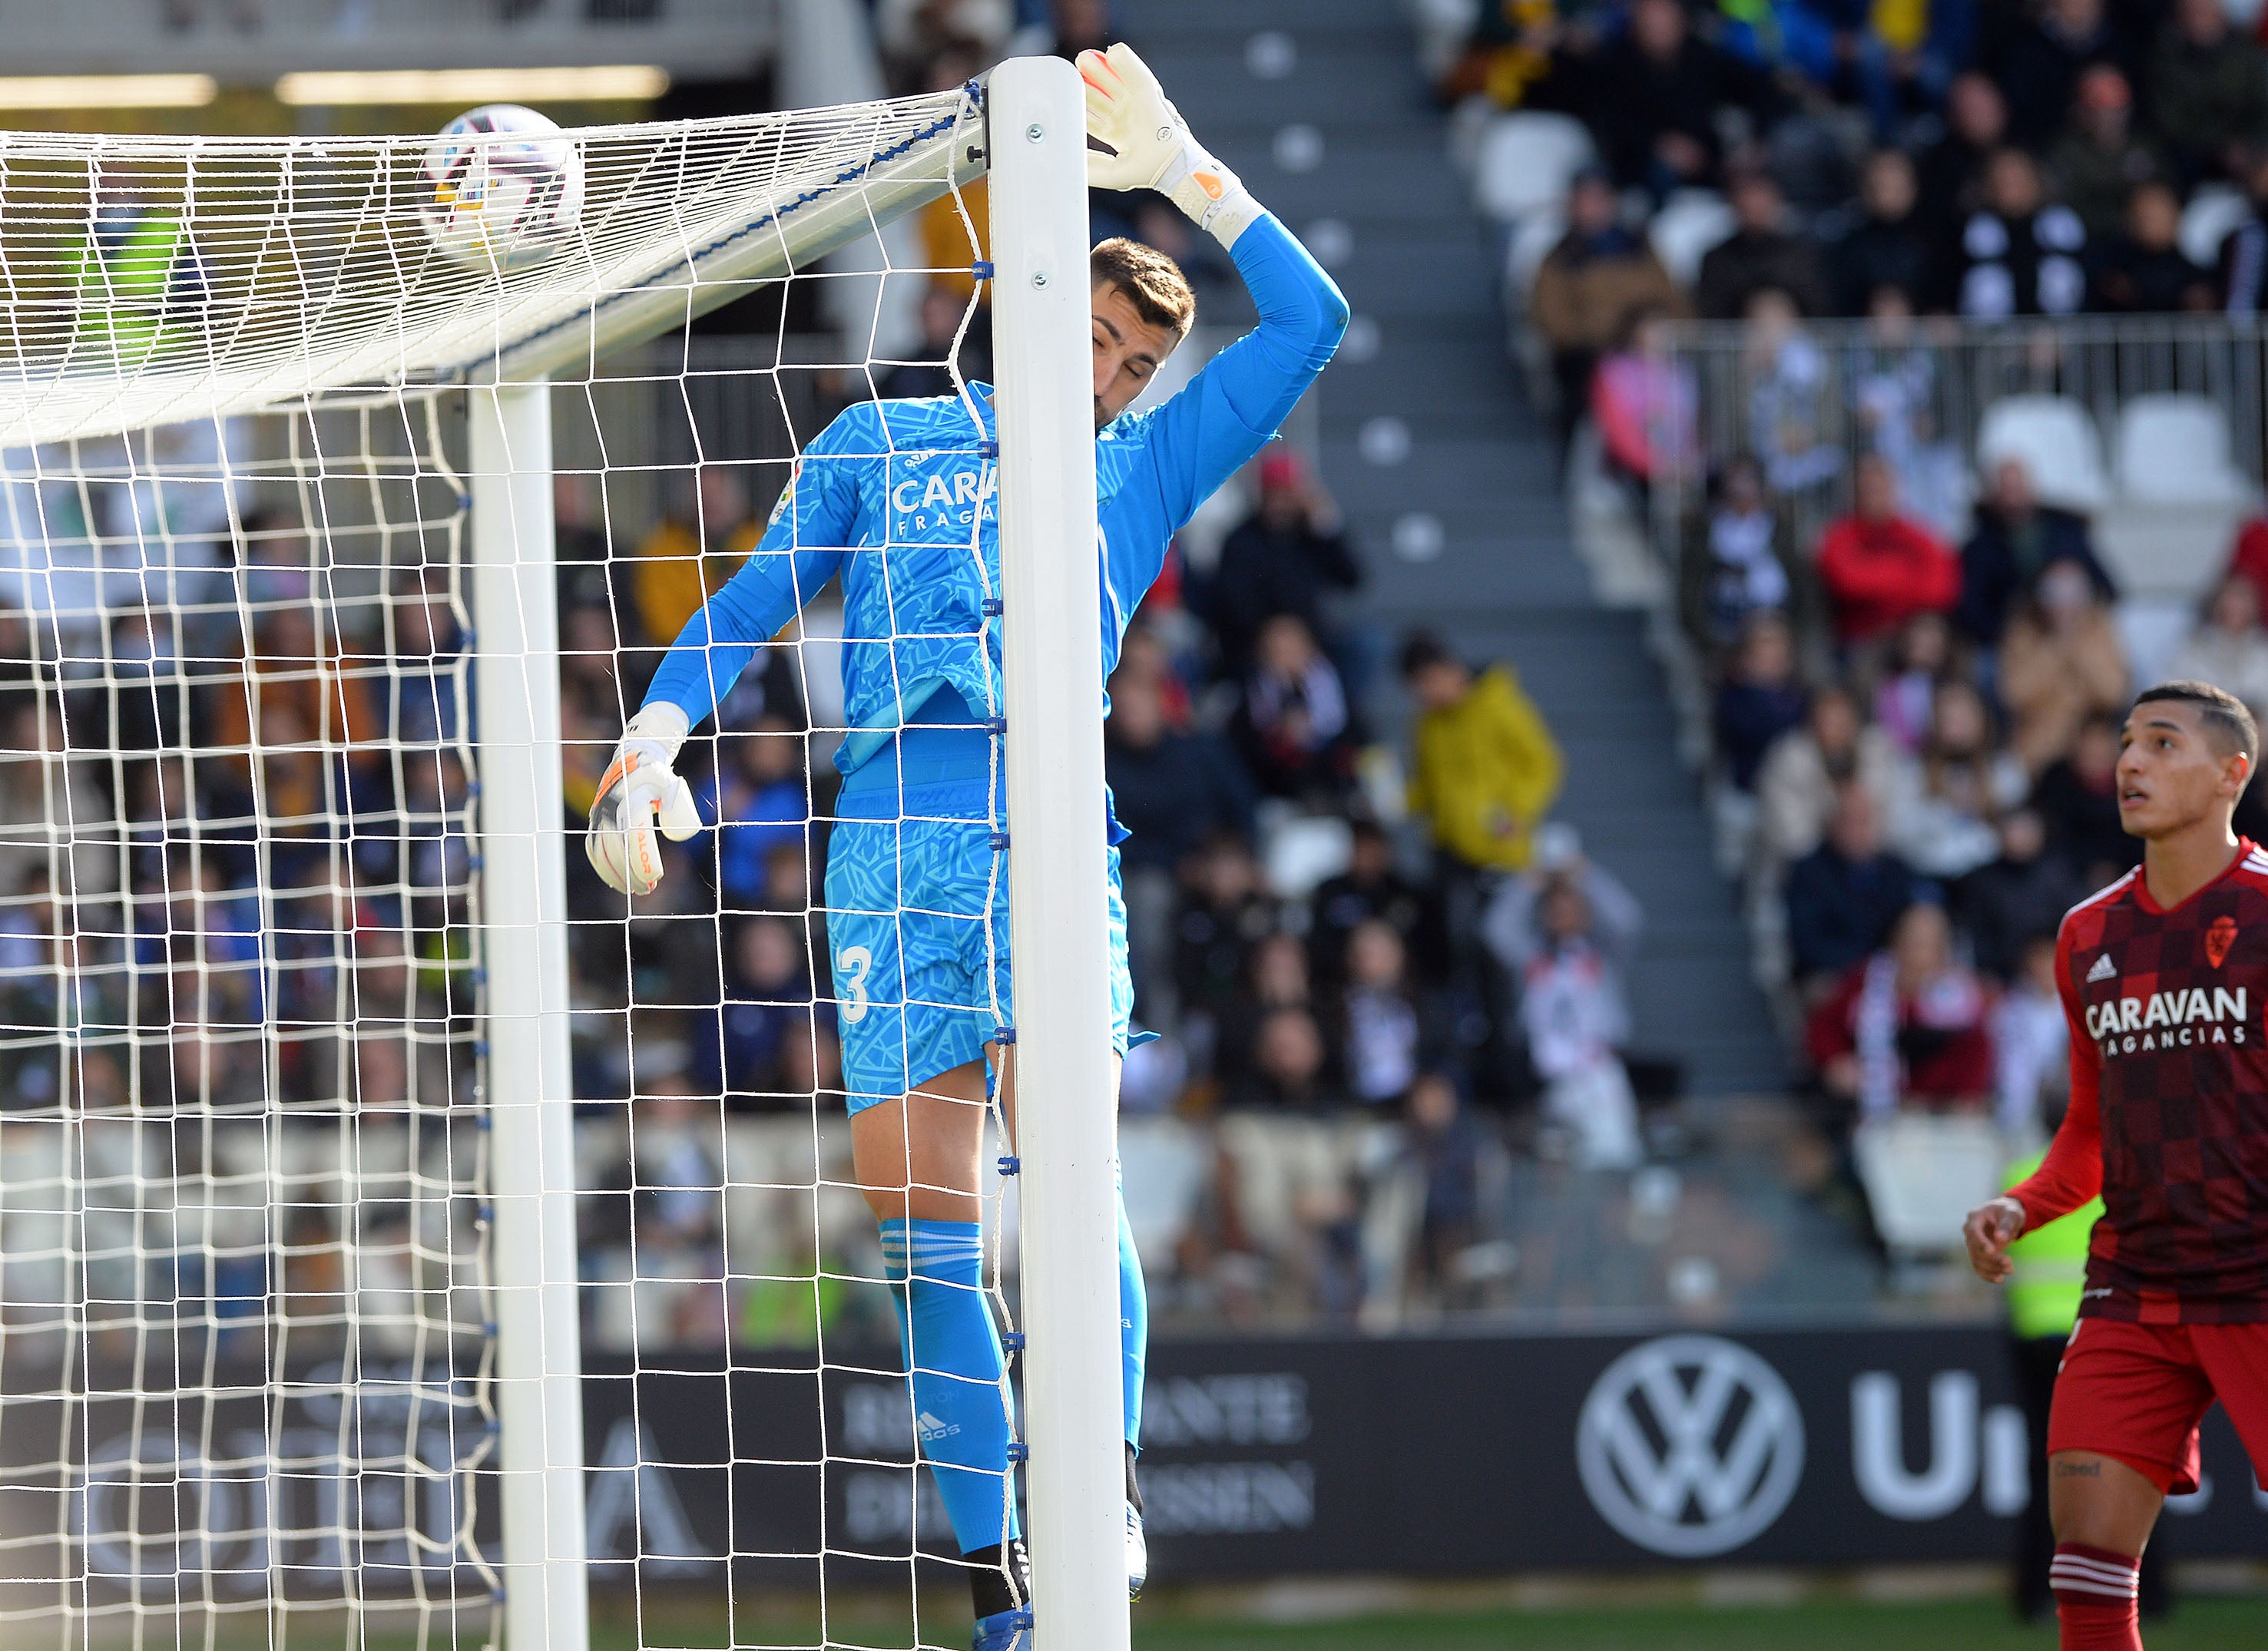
{"x":2136,"y":1393}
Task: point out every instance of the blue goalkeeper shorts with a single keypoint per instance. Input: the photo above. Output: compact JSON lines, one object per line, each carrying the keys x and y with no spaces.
{"x":917,"y":923}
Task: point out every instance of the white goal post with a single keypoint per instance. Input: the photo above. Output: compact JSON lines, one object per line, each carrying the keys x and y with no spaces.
{"x":279,"y":301}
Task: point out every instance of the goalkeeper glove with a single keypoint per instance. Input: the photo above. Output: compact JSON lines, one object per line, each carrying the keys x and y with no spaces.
{"x":1150,"y":147}
{"x":639,"y":791}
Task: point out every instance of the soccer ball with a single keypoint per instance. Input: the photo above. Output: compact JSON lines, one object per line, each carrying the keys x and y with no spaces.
{"x":502,"y":187}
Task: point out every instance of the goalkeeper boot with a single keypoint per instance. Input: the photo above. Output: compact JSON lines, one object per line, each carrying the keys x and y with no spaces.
{"x":1138,"y":1545}
{"x":1003,"y":1630}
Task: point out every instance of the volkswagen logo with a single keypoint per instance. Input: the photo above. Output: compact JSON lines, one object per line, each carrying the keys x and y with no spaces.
{"x":1690,"y":1445}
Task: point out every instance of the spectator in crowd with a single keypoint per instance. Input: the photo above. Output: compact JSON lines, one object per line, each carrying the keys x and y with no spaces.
{"x":1806,"y":768}
{"x":1762,"y":250}
{"x":690,"y":552}
{"x":765,"y":1005}
{"x":2208,"y":90}
{"x":2248,"y":556}
{"x":1172,"y":792}
{"x":1792,"y":413}
{"x":1952,"y":170}
{"x":1908,"y":1027}
{"x":1889,"y":247}
{"x":1651,"y":96}
{"x":1589,"y":285}
{"x":2021,"y":254}
{"x":1225,"y":913}
{"x":760,"y":800}
{"x":1486,"y":765}
{"x":1880,"y":568}
{"x":1568,"y":935}
{"x":2016,"y":540}
{"x":2143,"y":271}
{"x":1445,"y":1147}
{"x":1735,"y":563}
{"x":2046,"y":58}
{"x":2002,"y":907}
{"x":1387,"y":1031}
{"x":1760,"y":699}
{"x":2100,"y":156}
{"x":2060,"y":663}
{"x":1646,"y":404}
{"x":1287,"y":1069}
{"x":1895,"y":391}
{"x":2242,"y":270}
{"x":1947,"y":799}
{"x":2078,"y":802}
{"x":1283,"y":558}
{"x":1372,"y":890}
{"x":1905,"y":697}
{"x":2031,"y":1041}
{"x":930,"y":372}
{"x":1843,"y":896}
{"x":1507,"y":52}
{"x":1276,"y":977}
{"x":2229,"y":648}
{"x":1298,"y":732}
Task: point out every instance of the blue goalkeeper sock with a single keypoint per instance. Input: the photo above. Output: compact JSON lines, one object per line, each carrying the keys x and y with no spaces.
{"x":1133,"y":1320}
{"x":953,"y":1349}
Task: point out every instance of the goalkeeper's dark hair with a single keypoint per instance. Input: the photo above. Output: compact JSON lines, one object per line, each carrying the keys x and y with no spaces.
{"x":1152,"y":283}
{"x":2227,"y":720}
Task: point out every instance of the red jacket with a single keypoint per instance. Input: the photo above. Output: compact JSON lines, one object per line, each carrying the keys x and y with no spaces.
{"x":1880,"y":574}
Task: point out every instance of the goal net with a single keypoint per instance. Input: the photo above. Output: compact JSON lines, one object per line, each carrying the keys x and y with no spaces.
{"x":398,"y":1233}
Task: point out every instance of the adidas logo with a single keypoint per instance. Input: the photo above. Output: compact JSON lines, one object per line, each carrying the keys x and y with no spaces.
{"x":930,"y":1428}
{"x":2102,"y":971}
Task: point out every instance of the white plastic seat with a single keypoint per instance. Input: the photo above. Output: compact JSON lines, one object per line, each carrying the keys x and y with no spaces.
{"x":2212,"y":212}
{"x":2057,"y":442}
{"x":1691,"y":223}
{"x":2174,"y":449}
{"x":1526,"y":160}
{"x":1924,"y":1172}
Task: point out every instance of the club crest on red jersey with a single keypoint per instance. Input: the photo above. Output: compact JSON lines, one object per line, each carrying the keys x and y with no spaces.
{"x":2220,"y":936}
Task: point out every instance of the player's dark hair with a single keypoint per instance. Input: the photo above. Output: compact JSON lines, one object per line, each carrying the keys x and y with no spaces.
{"x":2227,"y":719}
{"x":1152,"y":283}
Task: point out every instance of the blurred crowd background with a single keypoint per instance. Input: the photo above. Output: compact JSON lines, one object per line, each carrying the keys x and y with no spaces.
{"x":1901,"y":356}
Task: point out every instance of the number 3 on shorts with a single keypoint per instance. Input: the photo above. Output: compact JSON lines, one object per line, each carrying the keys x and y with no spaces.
{"x":851,"y":969}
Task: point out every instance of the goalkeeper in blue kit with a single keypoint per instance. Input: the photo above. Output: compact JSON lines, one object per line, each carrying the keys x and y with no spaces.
{"x":896,"y":499}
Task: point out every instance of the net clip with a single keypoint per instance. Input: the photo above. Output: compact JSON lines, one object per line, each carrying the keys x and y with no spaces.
{"x":1010,"y":1164}
{"x":1018,"y":1451}
{"x":982,"y":269}
{"x":993,"y":607}
{"x":1012,"y":1340}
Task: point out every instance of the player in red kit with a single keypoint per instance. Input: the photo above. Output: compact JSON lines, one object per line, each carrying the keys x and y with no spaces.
{"x":2164,"y":977}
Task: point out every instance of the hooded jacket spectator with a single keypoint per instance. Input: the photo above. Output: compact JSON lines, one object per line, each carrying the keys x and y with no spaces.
{"x":2016,"y":540}
{"x":1588,"y":286}
{"x":1487,"y":766}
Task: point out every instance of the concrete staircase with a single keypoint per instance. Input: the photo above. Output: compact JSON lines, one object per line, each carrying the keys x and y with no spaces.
{"x":1451,"y":480}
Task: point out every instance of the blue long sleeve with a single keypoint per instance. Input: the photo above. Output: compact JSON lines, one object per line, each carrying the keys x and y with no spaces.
{"x":1197,"y":440}
{"x":801,"y":549}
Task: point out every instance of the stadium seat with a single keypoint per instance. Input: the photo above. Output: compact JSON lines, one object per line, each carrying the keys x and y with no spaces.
{"x":2056,"y":440}
{"x":2212,"y":212}
{"x":1301,"y":850}
{"x":1526,"y":160}
{"x":1167,"y":1165}
{"x":1691,"y":223}
{"x":1923,"y":1173}
{"x":2174,"y":449}
{"x":2180,"y":498}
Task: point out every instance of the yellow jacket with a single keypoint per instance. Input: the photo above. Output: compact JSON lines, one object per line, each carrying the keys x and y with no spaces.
{"x":1487,"y":769}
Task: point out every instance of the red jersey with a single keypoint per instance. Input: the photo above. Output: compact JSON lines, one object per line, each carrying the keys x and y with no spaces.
{"x":2169,"y":1118}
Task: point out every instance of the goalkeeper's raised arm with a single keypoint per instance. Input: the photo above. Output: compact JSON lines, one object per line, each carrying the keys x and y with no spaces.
{"x":887,"y":493}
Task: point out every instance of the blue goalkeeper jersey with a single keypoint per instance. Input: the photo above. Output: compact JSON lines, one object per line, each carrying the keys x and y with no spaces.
{"x":897,"y":499}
